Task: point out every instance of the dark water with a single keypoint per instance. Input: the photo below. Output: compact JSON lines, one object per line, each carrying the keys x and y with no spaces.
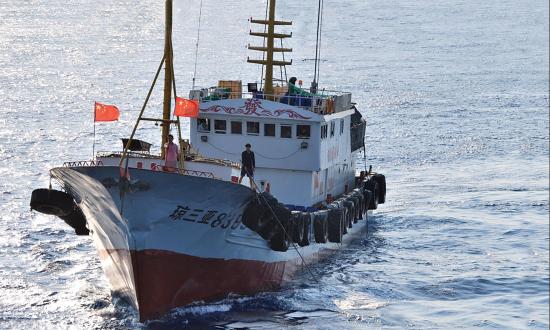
{"x":456,"y":96}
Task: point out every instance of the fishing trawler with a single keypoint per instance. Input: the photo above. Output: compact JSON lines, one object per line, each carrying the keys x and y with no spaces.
{"x":170,"y":236}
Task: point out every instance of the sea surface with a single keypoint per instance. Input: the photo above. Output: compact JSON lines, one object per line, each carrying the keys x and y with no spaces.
{"x":456,"y":98}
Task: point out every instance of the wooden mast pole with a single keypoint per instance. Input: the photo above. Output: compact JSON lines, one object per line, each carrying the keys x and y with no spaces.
{"x":268,"y":87}
{"x":167,"y":76}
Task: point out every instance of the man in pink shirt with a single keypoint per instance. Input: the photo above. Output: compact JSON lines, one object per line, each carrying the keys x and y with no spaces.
{"x":171,"y":155}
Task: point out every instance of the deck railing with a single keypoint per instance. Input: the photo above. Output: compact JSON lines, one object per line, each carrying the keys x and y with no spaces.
{"x":324,"y":102}
{"x":83,"y":163}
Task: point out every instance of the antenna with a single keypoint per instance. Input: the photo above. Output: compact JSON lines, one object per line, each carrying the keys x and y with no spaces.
{"x":314,"y":83}
{"x":197,"y":46}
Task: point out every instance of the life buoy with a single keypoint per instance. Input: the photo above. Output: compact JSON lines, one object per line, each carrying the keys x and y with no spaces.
{"x":53,"y":202}
{"x":320,"y":226}
{"x":335,"y":221}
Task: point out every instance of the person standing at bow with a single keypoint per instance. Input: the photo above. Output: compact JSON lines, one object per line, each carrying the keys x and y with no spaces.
{"x":171,"y":154}
{"x":248,"y":165}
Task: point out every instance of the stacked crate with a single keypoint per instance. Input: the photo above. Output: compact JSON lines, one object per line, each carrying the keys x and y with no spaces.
{"x":235,"y":86}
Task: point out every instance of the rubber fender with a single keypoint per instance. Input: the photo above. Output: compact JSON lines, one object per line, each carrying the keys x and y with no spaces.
{"x":296,"y":227}
{"x":252,"y":214}
{"x":357,"y":203}
{"x":361,"y":201}
{"x":306,"y":222}
{"x":320,"y":226}
{"x":368,"y":198}
{"x":278,"y":242}
{"x":53,"y":202}
{"x":372,"y":185}
{"x":283,"y":215}
{"x":344,"y":222}
{"x":348,"y":204}
{"x":267,"y":226}
{"x":270,"y":199}
{"x":77,"y":220}
{"x":335,"y":219}
{"x":381,"y":179}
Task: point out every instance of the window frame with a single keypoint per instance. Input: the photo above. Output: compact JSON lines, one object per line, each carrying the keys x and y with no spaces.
{"x":252,"y":122}
{"x":231,"y":122}
{"x":303,"y":136}
{"x":281,"y":131}
{"x":207,"y":130}
{"x":219,"y":131}
{"x":274,"y":129}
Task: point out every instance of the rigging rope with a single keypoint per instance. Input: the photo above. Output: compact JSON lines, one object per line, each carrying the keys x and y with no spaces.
{"x":197,"y":46}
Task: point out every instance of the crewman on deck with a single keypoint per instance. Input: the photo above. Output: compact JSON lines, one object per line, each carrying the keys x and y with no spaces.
{"x":248,"y":165}
{"x":294,"y":90}
{"x":171,"y":154}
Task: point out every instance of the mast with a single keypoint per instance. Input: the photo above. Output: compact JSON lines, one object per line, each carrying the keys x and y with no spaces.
{"x":270,"y":48}
{"x":168,"y":62}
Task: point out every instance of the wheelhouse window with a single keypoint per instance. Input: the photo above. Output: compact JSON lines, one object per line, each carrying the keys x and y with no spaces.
{"x":304,"y":131}
{"x":252,"y":128}
{"x":341,"y":126}
{"x":220,"y":126}
{"x":332,"y":126}
{"x":203,"y":125}
{"x":269,"y":129}
{"x":236,"y":127}
{"x":286,"y":131}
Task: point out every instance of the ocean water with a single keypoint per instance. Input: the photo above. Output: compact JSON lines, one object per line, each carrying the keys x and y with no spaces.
{"x":456,"y":98}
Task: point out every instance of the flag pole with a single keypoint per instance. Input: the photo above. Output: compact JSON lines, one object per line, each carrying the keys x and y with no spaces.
{"x":93,"y":145}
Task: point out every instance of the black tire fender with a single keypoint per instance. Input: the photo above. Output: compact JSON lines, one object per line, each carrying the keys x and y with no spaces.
{"x":320,"y":226}
{"x":335,"y":217}
{"x":53,"y":202}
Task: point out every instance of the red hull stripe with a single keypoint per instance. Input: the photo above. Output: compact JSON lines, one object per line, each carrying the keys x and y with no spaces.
{"x":165,"y":280}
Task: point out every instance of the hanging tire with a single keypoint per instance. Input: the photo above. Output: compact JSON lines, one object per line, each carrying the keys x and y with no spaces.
{"x":381,"y":179}
{"x":320,"y":226}
{"x":357,"y":203}
{"x":77,"y":220}
{"x":335,"y":224}
{"x":296,"y":227}
{"x":53,"y":202}
{"x":306,"y":222}
{"x":252,"y":214}
{"x":350,"y":213}
{"x":266,"y":226}
{"x":278,"y":242}
{"x":368,"y":199}
{"x":361,"y":203}
{"x":372,"y":185}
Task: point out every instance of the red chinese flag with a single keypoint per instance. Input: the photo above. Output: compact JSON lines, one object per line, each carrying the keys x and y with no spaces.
{"x":104,"y":112}
{"x":186,"y":108}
